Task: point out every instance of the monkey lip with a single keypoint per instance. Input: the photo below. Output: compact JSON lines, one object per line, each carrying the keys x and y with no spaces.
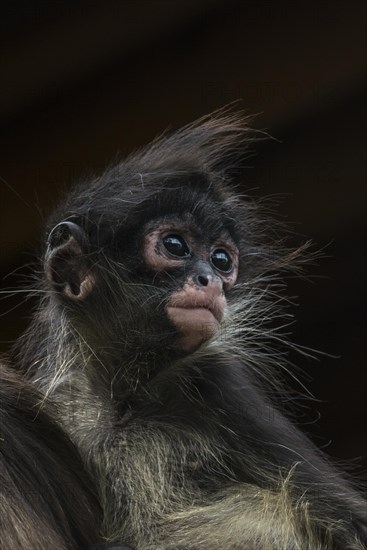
{"x":202,"y":306}
{"x":204,"y":312}
{"x":196,"y":315}
{"x":196,"y":324}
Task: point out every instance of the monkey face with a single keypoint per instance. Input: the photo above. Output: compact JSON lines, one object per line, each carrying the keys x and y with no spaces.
{"x":203,"y":269}
{"x":172,"y":278}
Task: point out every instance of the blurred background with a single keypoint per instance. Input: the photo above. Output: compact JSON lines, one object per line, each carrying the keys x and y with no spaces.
{"x":84,"y":80}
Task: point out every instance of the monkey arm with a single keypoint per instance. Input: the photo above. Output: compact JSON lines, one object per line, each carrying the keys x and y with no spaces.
{"x":245,"y":516}
{"x":241,"y":477}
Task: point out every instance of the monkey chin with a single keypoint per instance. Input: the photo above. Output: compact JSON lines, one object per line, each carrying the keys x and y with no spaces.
{"x":195,"y":325}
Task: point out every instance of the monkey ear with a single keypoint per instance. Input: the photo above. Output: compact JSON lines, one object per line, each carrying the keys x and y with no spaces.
{"x":65,"y":264}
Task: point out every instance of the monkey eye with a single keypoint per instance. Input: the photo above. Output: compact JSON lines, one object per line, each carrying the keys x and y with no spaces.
{"x":221,"y":260}
{"x":176,"y":246}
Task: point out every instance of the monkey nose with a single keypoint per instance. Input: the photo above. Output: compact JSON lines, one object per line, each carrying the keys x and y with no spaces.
{"x":204,"y":277}
{"x":207,"y":280}
{"x":202,"y":280}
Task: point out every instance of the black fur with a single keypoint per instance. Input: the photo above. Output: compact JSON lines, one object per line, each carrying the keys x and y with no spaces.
{"x":46,"y":499}
{"x":189,"y":450}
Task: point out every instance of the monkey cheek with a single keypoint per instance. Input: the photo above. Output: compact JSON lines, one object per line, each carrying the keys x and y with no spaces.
{"x":195,"y":325}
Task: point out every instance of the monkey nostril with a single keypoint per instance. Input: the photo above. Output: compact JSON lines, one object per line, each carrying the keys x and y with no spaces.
{"x":203,"y":280}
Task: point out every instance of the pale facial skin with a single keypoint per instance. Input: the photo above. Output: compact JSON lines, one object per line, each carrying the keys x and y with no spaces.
{"x":198,"y":306}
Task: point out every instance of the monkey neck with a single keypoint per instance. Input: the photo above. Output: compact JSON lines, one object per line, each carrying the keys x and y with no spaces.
{"x":62,"y":361}
{"x":57,"y":354}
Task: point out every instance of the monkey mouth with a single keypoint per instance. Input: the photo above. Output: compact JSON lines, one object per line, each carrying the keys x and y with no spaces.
{"x":196,"y":315}
{"x":195,"y":324}
{"x":200,"y":312}
{"x":197,"y":320}
{"x":201,"y":306}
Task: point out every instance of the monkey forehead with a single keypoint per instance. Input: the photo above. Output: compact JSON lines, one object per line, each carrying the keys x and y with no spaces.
{"x":188,"y":225}
{"x":198,"y":212}
{"x":173,"y":192}
{"x":112,"y":211}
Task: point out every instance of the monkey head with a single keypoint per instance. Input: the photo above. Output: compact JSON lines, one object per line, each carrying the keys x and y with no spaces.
{"x":172,"y":273}
{"x":146,"y":256}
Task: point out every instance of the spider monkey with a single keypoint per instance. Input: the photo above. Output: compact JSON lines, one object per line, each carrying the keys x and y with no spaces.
{"x":157,"y":339}
{"x":47,"y":500}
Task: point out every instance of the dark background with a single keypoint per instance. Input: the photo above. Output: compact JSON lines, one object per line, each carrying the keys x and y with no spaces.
{"x":83,"y":80}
